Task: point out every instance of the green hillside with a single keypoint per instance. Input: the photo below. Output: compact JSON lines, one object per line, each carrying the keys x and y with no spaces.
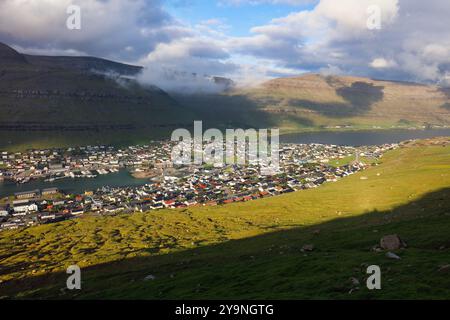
{"x":316,"y":102}
{"x":64,"y":101}
{"x":67,"y":101}
{"x":253,"y":250}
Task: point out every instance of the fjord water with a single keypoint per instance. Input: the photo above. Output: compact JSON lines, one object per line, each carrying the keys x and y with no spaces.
{"x":363,"y":138}
{"x":79,"y":185}
{"x":124,"y":179}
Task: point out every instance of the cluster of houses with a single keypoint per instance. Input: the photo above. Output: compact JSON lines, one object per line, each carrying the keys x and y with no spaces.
{"x":80,"y":162}
{"x":302,"y":167}
{"x":33,"y":207}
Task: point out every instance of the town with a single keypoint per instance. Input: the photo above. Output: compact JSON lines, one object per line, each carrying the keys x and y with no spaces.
{"x":165,"y":185}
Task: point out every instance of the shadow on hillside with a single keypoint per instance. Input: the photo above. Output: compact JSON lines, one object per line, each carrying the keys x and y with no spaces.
{"x":445,"y":91}
{"x":446,"y":106}
{"x":234,"y":111}
{"x":237,"y":256}
{"x":359,"y":97}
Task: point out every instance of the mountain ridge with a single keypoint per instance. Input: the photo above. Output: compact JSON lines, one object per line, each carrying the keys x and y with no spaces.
{"x":43,"y":99}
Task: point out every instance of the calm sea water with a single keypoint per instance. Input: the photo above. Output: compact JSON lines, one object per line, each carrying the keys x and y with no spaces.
{"x":120,"y":179}
{"x":363,"y":138}
{"x":123,"y":177}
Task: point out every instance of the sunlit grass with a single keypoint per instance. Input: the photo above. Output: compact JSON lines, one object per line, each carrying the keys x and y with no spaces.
{"x":352,"y":215}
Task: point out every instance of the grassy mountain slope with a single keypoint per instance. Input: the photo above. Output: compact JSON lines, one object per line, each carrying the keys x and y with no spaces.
{"x":253,"y":250}
{"x":47,"y":101}
{"x":315,"y":102}
{"x":61,"y":101}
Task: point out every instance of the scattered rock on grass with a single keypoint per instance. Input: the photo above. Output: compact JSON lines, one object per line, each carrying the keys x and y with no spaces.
{"x":150,"y":277}
{"x":308,"y":248}
{"x":353,"y":290}
{"x":377,"y":248}
{"x":444,"y":269}
{"x":392,"y":242}
{"x":354,"y":281}
{"x":391,"y":255}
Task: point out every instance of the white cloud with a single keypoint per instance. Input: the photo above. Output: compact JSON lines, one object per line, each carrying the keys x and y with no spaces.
{"x":332,"y":37}
{"x":380,"y":63}
{"x":351,"y":16}
{"x":108,"y":28}
{"x":187,"y":64}
{"x":331,"y":71}
{"x":413,"y":44}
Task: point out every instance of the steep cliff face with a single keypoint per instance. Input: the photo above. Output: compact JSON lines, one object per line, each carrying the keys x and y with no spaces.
{"x":84,"y":64}
{"x":45,"y":97}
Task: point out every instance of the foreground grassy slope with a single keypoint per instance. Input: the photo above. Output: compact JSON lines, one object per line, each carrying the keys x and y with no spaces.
{"x":253,"y":250}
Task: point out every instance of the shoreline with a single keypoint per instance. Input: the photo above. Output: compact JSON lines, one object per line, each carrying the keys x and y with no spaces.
{"x":346,"y":130}
{"x":283,"y":132}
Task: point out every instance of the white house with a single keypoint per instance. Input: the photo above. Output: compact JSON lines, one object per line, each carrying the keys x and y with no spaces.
{"x":25,"y":208}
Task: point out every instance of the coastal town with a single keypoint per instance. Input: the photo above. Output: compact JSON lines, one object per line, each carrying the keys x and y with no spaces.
{"x":164,"y":185}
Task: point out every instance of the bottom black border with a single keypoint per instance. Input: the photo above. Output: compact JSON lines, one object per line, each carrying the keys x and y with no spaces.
{"x":247,"y":309}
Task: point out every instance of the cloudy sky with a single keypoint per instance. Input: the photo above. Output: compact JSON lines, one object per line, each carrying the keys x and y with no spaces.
{"x":247,"y":40}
